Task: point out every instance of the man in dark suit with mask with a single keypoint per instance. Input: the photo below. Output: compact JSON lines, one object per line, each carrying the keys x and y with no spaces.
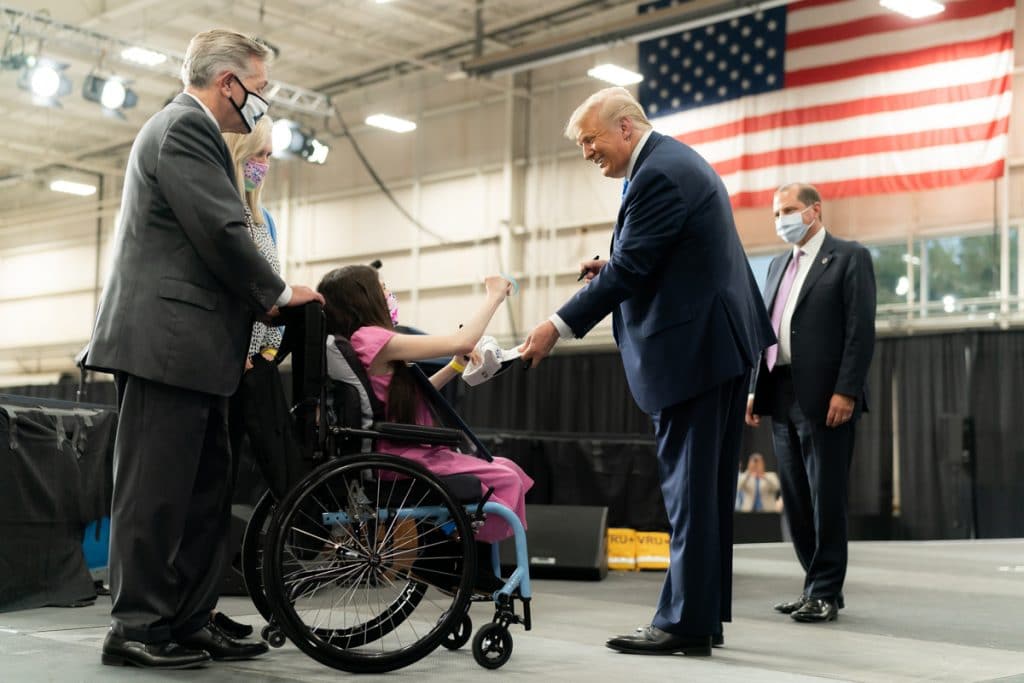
{"x":813,"y":384}
{"x":690,"y":324}
{"x":173,"y":326}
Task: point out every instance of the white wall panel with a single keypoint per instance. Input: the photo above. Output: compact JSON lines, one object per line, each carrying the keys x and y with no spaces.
{"x":42,"y":321}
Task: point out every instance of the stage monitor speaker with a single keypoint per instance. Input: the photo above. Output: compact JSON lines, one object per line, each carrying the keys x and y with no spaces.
{"x":563,"y":542}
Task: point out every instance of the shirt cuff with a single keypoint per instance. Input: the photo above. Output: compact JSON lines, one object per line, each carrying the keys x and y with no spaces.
{"x":286,"y":296}
{"x":564,"y":331}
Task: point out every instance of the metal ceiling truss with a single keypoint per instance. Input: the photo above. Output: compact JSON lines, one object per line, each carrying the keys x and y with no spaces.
{"x":31,"y":26}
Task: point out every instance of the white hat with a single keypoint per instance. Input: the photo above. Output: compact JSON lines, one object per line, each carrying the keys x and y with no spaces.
{"x":493,"y":361}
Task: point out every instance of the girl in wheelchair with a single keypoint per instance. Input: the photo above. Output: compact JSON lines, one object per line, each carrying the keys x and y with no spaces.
{"x":357,"y":309}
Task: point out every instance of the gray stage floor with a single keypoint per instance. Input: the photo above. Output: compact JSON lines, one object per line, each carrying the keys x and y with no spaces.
{"x":939,"y":611}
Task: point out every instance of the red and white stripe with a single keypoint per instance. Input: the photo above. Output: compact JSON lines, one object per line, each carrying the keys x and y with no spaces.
{"x":874,"y":103}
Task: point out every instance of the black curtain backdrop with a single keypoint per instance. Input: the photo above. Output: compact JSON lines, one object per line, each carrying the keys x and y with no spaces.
{"x":997,"y":398}
{"x":573,"y":426}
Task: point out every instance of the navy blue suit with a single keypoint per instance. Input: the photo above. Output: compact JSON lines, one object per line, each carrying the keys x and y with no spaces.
{"x":832,"y":337}
{"x":690,"y":324}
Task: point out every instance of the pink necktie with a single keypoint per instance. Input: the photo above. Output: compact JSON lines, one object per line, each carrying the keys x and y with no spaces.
{"x":771,"y":354}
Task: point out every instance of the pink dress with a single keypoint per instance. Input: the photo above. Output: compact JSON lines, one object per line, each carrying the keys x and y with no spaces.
{"x":509,"y":481}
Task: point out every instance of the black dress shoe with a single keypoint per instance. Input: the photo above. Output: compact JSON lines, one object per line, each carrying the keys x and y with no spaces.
{"x":717,"y":639}
{"x":790,"y":607}
{"x":817,"y":609}
{"x":221,"y":647}
{"x":651,"y":640}
{"x":120,"y":652}
{"x":230,"y":627}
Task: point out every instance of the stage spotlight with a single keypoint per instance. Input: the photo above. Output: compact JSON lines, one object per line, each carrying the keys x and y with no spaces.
{"x":111,"y":93}
{"x":289,"y":139}
{"x":286,"y":138}
{"x":45,"y":80}
{"x":315,"y":151}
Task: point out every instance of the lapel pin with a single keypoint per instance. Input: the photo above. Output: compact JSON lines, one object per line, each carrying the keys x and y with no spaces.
{"x":824,"y":260}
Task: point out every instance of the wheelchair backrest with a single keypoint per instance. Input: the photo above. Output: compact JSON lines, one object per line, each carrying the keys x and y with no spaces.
{"x":304,"y":339}
{"x":354,"y":403}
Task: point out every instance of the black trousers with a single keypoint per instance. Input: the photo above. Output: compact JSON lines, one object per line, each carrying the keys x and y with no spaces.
{"x":814,"y":472}
{"x":171,"y":509}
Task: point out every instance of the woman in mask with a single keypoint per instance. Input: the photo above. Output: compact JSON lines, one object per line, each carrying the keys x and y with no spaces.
{"x":251,"y":156}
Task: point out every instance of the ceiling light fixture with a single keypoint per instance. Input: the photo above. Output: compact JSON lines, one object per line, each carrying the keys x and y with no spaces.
{"x":141,"y":55}
{"x":392,"y":123}
{"x":915,"y":9}
{"x":614,"y":74}
{"x":71,"y":187}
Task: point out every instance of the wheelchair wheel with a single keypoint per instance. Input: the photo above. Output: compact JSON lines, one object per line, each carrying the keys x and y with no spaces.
{"x":252,"y":553}
{"x":492,"y":645}
{"x":459,"y":635}
{"x":368,"y":563}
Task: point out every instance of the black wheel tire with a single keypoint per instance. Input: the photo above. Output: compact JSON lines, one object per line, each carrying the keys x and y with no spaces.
{"x":492,"y":646}
{"x":459,"y":635}
{"x":252,"y":553}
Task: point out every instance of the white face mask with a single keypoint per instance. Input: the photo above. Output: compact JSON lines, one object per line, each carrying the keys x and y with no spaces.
{"x":791,"y":227}
{"x":253,"y":107}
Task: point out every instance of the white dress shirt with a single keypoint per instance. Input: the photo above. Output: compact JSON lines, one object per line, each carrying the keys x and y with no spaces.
{"x":286,"y":295}
{"x":564,"y":331}
{"x":810,"y":253}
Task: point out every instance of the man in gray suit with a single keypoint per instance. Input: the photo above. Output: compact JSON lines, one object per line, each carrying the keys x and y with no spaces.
{"x":173,"y":326}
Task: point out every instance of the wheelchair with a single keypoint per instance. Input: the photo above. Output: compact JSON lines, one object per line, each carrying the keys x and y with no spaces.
{"x":368,"y":563}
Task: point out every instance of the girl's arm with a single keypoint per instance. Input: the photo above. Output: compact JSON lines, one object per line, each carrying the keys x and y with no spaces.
{"x":413,"y":347}
{"x":448,"y":372}
{"x":454,"y":368}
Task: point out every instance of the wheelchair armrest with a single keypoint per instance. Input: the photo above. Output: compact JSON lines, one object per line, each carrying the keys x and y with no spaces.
{"x":395,"y":431}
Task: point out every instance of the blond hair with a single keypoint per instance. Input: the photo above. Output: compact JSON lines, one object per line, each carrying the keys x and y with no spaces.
{"x":213,"y":52}
{"x":612,"y":104}
{"x":243,"y":147}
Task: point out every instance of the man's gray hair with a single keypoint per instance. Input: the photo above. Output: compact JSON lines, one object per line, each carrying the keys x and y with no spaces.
{"x":212,"y":52}
{"x":612,"y":104}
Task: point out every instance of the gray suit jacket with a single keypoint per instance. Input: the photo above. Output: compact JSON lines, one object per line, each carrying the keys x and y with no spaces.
{"x":186,"y":276}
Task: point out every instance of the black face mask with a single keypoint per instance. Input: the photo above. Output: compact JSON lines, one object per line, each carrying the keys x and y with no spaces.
{"x":253,"y":107}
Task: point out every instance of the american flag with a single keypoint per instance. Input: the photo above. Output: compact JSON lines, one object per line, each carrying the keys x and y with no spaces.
{"x":844,"y":94}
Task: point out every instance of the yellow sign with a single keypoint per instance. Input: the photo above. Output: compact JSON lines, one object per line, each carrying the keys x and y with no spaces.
{"x":652,"y":550}
{"x":621,"y":548}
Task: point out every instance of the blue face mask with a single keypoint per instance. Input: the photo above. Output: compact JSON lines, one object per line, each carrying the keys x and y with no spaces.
{"x":791,"y":227}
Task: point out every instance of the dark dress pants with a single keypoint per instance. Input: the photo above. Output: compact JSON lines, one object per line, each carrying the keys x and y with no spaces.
{"x":698,"y":456}
{"x":814,"y":467}
{"x":171,"y":509}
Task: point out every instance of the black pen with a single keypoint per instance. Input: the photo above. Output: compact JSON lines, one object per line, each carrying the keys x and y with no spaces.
{"x":583,"y":272}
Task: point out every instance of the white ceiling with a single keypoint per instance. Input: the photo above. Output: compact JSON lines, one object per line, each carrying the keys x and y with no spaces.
{"x":336,"y":47}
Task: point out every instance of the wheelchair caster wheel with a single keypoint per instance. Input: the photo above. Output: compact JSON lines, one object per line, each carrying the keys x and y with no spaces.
{"x":273,"y":636}
{"x":459,"y":635}
{"x":492,"y":646}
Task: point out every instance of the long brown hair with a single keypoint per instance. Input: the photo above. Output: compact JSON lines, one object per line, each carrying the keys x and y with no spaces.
{"x":354,"y":298}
